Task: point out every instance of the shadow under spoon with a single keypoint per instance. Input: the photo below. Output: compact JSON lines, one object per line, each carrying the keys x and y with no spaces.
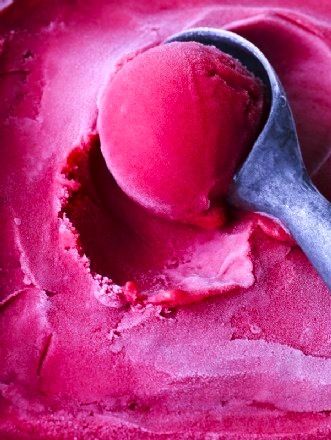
{"x":273,"y":179}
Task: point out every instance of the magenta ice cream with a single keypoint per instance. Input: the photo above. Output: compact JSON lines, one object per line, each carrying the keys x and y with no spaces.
{"x":175,"y":121}
{"x":107,"y":329}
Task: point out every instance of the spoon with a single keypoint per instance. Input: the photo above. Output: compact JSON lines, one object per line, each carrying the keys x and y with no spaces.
{"x":273,"y":180}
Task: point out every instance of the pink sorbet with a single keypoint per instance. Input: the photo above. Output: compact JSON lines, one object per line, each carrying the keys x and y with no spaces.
{"x":116,"y":323}
{"x":174,"y":123}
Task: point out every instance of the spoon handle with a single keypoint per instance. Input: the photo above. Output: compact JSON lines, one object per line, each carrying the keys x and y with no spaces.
{"x":308,"y":218}
{"x":274,"y":180}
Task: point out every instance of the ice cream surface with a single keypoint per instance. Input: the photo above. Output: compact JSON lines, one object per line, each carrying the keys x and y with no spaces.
{"x":116,"y":323}
{"x":174,"y":124}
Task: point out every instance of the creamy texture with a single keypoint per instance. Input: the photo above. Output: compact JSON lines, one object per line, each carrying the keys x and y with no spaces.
{"x":175,"y":122}
{"x":79,"y":356}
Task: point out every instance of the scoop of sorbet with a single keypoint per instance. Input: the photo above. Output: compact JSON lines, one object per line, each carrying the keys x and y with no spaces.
{"x":175,"y":122}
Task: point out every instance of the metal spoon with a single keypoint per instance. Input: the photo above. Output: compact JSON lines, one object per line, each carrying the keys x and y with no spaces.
{"x":273,"y":180}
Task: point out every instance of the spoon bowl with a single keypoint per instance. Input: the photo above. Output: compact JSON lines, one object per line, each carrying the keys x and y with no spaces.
{"x":273,"y":179}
